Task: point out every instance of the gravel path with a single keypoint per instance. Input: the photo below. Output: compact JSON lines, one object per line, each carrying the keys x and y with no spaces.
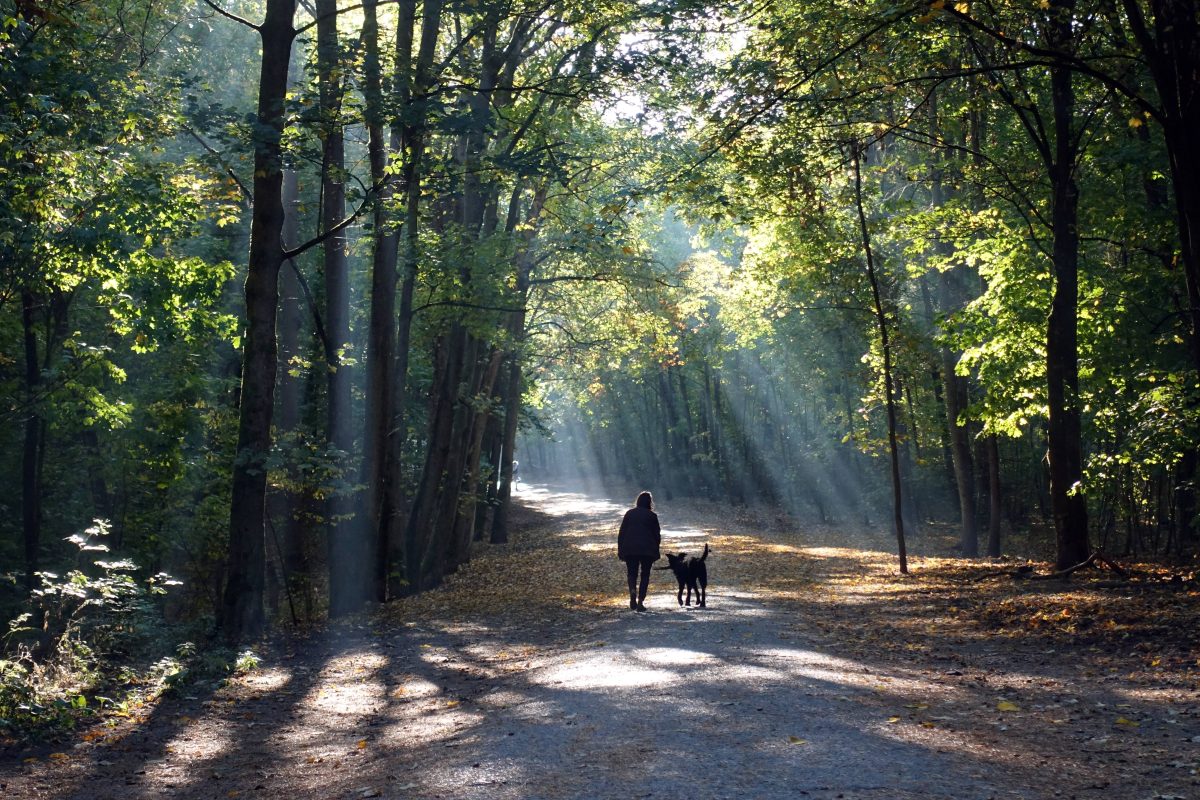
{"x":738,"y":700}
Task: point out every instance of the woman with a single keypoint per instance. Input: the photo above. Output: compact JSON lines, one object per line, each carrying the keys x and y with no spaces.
{"x":637,"y":546}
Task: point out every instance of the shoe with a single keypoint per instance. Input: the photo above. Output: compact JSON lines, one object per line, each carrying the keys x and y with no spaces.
{"x":633,"y":604}
{"x":639,"y":606}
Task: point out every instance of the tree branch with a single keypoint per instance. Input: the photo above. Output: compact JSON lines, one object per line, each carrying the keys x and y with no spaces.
{"x":232,"y":16}
{"x":228,"y":169}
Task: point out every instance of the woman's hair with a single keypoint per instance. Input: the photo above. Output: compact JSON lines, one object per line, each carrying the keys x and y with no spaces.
{"x":644,"y":500}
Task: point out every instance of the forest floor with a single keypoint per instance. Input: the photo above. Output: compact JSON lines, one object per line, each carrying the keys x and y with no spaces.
{"x":816,"y":671}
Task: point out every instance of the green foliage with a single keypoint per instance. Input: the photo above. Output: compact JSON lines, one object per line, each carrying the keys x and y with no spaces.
{"x":78,"y":628}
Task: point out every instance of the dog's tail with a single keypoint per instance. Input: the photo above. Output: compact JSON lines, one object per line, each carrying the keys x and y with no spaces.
{"x":705,"y":552}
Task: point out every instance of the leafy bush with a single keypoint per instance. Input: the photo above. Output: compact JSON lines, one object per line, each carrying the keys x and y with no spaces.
{"x":75,"y":626}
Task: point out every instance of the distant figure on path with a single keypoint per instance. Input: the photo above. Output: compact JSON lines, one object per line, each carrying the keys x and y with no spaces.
{"x":637,"y":546}
{"x":516,"y":474}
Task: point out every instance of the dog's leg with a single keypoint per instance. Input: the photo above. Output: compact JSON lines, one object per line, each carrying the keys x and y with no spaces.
{"x":679,"y":594}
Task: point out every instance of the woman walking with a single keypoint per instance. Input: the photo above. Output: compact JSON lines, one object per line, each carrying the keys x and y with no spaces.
{"x":637,"y":546}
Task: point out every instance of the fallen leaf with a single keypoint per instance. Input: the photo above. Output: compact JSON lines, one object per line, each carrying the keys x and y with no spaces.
{"x":1120,"y":721}
{"x":362,"y":744}
{"x":1007,"y":705}
{"x":893,"y":720}
{"x":797,"y":740}
{"x":59,"y":756}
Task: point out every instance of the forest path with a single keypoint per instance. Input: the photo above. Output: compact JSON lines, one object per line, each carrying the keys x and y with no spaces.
{"x":814,"y":672}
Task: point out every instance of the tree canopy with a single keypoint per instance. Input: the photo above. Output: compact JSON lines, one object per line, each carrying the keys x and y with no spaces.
{"x":289,"y":288}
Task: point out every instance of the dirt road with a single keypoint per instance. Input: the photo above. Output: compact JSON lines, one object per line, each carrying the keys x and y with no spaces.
{"x":528,"y":677}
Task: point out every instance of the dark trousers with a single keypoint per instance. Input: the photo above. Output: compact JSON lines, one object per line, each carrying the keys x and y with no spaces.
{"x":637,"y":589}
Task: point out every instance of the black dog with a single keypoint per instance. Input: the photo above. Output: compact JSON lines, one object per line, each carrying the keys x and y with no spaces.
{"x":692,"y":573}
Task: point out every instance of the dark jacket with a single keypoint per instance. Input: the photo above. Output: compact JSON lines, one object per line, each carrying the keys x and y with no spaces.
{"x":639,"y":536}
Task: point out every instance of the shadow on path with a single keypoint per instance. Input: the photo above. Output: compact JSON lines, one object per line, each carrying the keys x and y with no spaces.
{"x":561,"y":692}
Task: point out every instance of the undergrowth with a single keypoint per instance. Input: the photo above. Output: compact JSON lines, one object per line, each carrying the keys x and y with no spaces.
{"x":93,"y":645}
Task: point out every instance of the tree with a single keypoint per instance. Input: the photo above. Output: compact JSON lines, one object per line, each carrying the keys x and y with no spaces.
{"x":242,"y":613}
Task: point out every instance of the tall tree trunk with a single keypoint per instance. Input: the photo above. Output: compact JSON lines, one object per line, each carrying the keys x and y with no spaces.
{"x":414,"y":82}
{"x":422,"y":538}
{"x":241,"y":614}
{"x":1068,"y":503}
{"x":345,"y":570}
{"x":35,"y":431}
{"x":888,"y":383}
{"x":284,"y":502}
{"x":381,"y":335}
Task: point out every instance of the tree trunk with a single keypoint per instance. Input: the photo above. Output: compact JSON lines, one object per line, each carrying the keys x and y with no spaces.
{"x":345,"y":571}
{"x":381,"y":336}
{"x":35,"y":432}
{"x":421,"y":536}
{"x":888,"y":387}
{"x":241,"y":614}
{"x":992,"y":448}
{"x":464,"y":524}
{"x":283,"y":502}
{"x":412,"y":85}
{"x":954,"y":392}
{"x":1067,"y":500}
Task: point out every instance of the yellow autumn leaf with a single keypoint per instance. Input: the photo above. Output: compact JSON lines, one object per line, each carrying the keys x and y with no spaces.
{"x":928,"y":724}
{"x":1006,"y":705}
{"x":362,"y":744}
{"x":893,"y":720}
{"x":1120,"y":721}
{"x":59,"y":756}
{"x":962,"y":8}
{"x":1135,"y":122}
{"x":917,"y":706}
{"x":797,"y":740}
{"x":451,"y":703}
